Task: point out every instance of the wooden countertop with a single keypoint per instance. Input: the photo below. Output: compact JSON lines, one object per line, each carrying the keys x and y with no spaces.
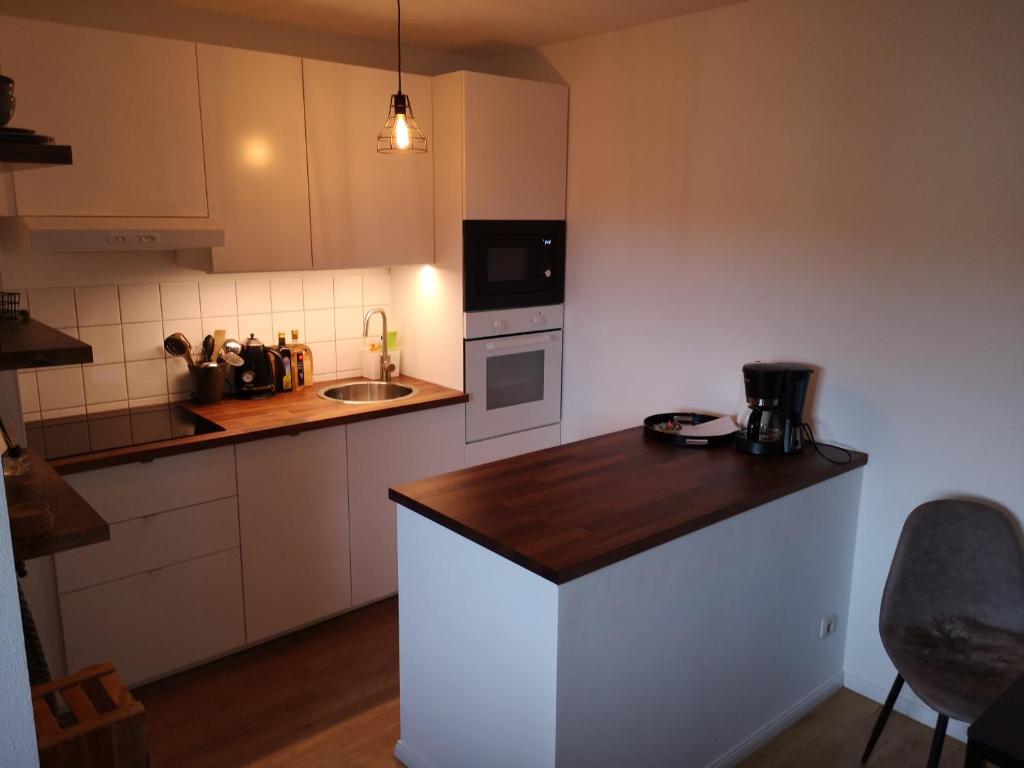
{"x":75,"y":522}
{"x":569,"y":510}
{"x":283,"y":414}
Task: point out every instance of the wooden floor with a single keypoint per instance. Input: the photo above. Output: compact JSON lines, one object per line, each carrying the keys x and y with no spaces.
{"x":328,"y":696}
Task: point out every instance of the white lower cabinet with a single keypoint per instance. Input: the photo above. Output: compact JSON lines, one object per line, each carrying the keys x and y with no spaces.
{"x":293,"y":514}
{"x":386,"y":452}
{"x":159,"y":621}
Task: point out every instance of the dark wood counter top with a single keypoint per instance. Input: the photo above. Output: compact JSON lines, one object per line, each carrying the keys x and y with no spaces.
{"x":285,"y":413}
{"x":569,"y":510}
{"x":76,"y":523}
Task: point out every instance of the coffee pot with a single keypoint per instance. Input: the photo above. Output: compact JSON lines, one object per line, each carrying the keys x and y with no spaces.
{"x":775,"y":395}
{"x":255,"y":378}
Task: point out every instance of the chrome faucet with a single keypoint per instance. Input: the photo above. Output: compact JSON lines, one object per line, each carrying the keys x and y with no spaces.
{"x":386,"y":367}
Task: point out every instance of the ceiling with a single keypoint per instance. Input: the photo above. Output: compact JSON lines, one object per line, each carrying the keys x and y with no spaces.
{"x":481,"y":27}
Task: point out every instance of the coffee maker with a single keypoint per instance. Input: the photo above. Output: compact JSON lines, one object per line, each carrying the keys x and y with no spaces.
{"x":775,"y":393}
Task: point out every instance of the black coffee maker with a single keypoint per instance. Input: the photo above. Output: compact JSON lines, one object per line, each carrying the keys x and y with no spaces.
{"x":775,"y":393}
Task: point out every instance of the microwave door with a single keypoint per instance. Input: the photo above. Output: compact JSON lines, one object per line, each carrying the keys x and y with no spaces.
{"x":514,"y":383}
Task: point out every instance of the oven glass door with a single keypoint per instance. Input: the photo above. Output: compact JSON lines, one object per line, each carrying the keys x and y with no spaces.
{"x":514,"y":383}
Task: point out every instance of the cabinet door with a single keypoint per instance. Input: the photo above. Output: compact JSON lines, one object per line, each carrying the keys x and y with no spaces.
{"x":383,"y":453}
{"x":293,"y":519}
{"x":255,"y":148}
{"x":366,"y":208}
{"x":515,"y":136}
{"x":129,"y":107}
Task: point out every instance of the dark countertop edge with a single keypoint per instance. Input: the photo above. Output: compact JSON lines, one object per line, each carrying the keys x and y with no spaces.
{"x":634,"y":548}
{"x":173,"y":446}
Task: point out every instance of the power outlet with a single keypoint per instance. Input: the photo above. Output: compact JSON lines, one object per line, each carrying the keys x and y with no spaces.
{"x":828,"y":626}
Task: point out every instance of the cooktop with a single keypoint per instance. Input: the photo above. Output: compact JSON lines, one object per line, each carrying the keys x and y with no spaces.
{"x":75,"y":435}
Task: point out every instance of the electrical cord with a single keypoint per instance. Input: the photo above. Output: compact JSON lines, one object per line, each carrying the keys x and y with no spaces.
{"x":809,"y":436}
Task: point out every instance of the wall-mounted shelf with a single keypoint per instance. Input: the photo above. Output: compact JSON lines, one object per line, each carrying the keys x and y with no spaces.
{"x":19,"y":156}
{"x":31,"y":344}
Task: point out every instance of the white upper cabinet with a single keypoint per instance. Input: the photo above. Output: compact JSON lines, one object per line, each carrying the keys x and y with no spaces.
{"x":129,"y":107}
{"x":367,"y":208}
{"x":255,"y":148}
{"x":514,"y":148}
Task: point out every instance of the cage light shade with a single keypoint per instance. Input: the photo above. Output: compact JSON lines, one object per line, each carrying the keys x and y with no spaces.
{"x":401,"y":134}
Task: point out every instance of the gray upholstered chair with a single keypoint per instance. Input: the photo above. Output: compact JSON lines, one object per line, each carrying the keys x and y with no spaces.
{"x":952,"y":617}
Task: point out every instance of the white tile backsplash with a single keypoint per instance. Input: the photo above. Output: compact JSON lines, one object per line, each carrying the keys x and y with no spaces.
{"x":139,"y":303}
{"x":179,"y":301}
{"x":97,"y":305}
{"x":126,"y":326}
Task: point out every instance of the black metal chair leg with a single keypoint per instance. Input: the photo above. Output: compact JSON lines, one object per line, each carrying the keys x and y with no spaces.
{"x":937,"y":739}
{"x":883,"y":717}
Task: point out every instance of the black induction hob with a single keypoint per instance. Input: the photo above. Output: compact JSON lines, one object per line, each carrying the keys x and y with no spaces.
{"x":76,"y":435}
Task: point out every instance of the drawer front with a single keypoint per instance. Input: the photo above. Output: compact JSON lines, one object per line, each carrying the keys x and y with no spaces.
{"x":135,"y":490}
{"x":155,"y":623}
{"x":155,"y":541}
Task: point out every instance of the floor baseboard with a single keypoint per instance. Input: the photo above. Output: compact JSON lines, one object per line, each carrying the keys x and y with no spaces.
{"x":778,"y":724}
{"x":908,"y":705}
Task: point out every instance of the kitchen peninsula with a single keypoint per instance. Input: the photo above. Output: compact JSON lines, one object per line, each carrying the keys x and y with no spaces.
{"x":585,"y":604}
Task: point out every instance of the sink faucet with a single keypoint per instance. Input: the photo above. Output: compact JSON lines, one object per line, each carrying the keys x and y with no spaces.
{"x":386,"y":367}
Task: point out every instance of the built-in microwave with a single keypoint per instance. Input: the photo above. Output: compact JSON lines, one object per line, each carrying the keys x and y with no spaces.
{"x":513,"y":264}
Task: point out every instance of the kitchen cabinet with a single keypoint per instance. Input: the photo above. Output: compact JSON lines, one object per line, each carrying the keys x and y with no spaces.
{"x":366,"y":208}
{"x":293,"y":515}
{"x":386,"y":452}
{"x":128,"y":105}
{"x":254,"y":140}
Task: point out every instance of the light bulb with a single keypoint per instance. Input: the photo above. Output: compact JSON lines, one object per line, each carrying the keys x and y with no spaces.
{"x":401,"y":132}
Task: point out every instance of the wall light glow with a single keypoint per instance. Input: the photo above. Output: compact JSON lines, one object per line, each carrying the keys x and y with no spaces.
{"x":429,"y":281}
{"x":257,"y":152}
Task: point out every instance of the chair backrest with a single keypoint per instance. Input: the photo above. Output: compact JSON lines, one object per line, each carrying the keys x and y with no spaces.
{"x":955,"y":559}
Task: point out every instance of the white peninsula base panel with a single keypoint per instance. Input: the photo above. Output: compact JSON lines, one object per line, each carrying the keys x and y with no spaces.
{"x":689,"y":654}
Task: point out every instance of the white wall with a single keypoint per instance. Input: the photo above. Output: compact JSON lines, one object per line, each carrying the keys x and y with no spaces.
{"x":835,"y":181}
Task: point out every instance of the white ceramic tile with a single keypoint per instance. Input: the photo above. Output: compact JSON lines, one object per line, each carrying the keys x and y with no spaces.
{"x":376,"y":324}
{"x":348,"y":290}
{"x":317,"y":292}
{"x":139,"y":303}
{"x":143,"y":402}
{"x":285,"y":321}
{"x":229,"y":324}
{"x":97,"y":305}
{"x":179,"y":300}
{"x":105,"y":341}
{"x":376,"y":289}
{"x":348,"y":322}
{"x":285,"y":294}
{"x":347,"y":351}
{"x":192,"y":328}
{"x":63,"y":413}
{"x":143,"y":341}
{"x":60,"y":388}
{"x":28,"y":390}
{"x":319,"y":325}
{"x":253,"y":297}
{"x":217,"y":298}
{"x":355,"y":373}
{"x":53,"y":306}
{"x":146,"y":378}
{"x":105,"y":383}
{"x":177,"y":397}
{"x":325,"y":358}
{"x":179,"y":381}
{"x":261,"y":326}
{"x":114,"y":405}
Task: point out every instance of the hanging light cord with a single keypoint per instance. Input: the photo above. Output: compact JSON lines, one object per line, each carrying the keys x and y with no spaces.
{"x":399,"y":2}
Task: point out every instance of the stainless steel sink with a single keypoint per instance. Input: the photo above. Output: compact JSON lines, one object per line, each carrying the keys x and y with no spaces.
{"x":360,"y":392}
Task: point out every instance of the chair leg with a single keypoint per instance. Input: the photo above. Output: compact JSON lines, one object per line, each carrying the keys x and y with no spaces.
{"x":883,"y":716}
{"x":937,"y":739}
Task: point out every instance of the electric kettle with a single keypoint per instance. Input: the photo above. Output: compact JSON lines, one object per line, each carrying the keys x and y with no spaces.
{"x":255,"y":378}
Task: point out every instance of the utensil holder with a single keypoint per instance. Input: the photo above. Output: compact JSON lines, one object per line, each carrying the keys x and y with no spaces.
{"x":208,"y":382}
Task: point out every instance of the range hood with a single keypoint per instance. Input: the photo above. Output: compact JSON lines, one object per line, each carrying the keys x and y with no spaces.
{"x":102,"y":233}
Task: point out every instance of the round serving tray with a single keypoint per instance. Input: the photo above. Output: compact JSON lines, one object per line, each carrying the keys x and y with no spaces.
{"x":674,"y":438}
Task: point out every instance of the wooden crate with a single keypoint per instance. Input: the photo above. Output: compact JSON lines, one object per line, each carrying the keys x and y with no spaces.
{"x":101,"y":726}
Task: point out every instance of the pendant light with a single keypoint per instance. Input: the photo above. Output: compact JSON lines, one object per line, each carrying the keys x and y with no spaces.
{"x":400,"y":135}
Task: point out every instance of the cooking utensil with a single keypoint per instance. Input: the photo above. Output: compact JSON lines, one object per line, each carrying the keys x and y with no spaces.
{"x":177,"y":345}
{"x":218,"y":343}
{"x":229,"y":357}
{"x":208,"y":348}
{"x":231,"y":345}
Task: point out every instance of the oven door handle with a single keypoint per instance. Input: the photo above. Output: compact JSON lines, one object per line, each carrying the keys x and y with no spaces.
{"x":530,"y":341}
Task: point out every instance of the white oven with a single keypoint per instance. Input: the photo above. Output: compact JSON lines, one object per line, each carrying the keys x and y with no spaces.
{"x":513,"y":370}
